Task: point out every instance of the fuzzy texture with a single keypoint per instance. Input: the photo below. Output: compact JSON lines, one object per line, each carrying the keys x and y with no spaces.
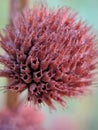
{"x":22,"y":118}
{"x":50,"y":53}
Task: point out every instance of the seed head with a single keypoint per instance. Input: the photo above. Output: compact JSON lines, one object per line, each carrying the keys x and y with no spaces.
{"x":50,"y":53}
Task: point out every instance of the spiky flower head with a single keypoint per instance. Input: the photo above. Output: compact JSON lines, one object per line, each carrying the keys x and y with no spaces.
{"x":50,"y":53}
{"x":22,"y":118}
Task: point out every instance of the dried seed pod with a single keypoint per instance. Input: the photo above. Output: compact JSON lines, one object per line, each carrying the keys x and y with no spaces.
{"x":50,"y":53}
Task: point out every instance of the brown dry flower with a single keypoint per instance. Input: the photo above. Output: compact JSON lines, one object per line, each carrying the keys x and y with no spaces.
{"x":49,"y":52}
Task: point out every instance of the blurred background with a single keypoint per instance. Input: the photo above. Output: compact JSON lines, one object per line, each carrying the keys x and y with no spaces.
{"x":84,"y":109}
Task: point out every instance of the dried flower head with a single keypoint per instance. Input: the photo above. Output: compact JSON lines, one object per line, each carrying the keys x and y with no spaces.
{"x":22,"y":118}
{"x":50,"y":53}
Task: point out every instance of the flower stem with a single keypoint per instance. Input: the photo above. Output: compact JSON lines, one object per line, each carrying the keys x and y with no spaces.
{"x":15,"y":5}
